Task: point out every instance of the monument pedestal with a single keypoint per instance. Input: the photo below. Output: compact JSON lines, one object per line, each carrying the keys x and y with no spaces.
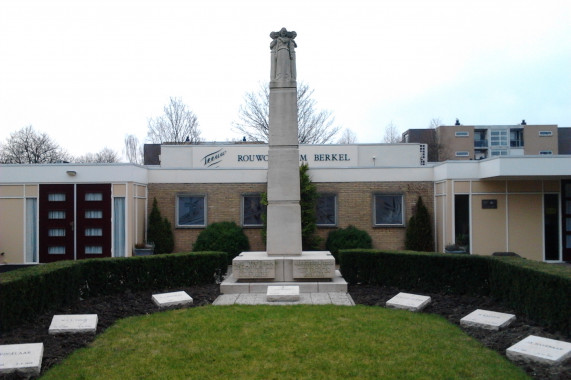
{"x":312,"y":271}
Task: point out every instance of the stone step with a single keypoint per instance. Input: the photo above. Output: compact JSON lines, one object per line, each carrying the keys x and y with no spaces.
{"x":334,"y":298}
{"x":231,"y":286}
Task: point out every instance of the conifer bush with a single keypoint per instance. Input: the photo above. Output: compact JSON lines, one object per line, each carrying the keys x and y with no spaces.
{"x":223,"y":236}
{"x":350,"y":237}
{"x":308,"y":201}
{"x":160,"y":231}
{"x":419,"y":230}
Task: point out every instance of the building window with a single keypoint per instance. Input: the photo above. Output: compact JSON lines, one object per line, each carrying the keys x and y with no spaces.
{"x":56,"y":215}
{"x":93,"y":232}
{"x":499,"y":152}
{"x":93,"y":250}
{"x":56,"y":250}
{"x":462,"y":134}
{"x":389,"y":210}
{"x":91,"y":197}
{"x":252,"y":210}
{"x":499,"y":138}
{"x":545,"y":133}
{"x":93,"y":214}
{"x":516,"y":138}
{"x":56,"y":232}
{"x":190,"y":211}
{"x":326,"y":210}
{"x":56,"y":197}
{"x":545,"y":152}
{"x":462,"y":154}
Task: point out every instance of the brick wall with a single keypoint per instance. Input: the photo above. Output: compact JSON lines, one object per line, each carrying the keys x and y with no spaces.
{"x":354,"y":207}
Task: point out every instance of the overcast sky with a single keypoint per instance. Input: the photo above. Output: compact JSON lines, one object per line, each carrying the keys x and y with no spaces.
{"x":90,"y":72}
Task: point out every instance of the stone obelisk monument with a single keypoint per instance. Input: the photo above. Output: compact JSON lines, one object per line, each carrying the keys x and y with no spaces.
{"x":283,"y":262}
{"x":284,"y":212}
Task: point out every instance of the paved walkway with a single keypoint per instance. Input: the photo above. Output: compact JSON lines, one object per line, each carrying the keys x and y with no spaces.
{"x":334,"y":298}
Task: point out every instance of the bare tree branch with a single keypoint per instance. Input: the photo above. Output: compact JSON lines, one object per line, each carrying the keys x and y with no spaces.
{"x":348,"y":137}
{"x":133,"y":150}
{"x":106,"y":155}
{"x":27,"y":146}
{"x":314,"y":126}
{"x":392,"y":135}
{"x":178,"y":124}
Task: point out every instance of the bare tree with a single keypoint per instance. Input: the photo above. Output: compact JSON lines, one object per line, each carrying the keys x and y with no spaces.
{"x":348,"y":137}
{"x":27,"y":146}
{"x":435,"y":122}
{"x":133,"y":150}
{"x":314,"y":126}
{"x":435,"y":149}
{"x":392,"y":135}
{"x":106,"y":155}
{"x":178,"y":124}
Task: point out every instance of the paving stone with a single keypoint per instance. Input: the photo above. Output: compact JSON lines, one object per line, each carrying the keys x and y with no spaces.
{"x":25,"y":359}
{"x":412,"y":302}
{"x":320,"y":299}
{"x":73,"y":323}
{"x":172,"y":299}
{"x":225,"y":299}
{"x":341,"y":299}
{"x":489,"y":320}
{"x":538,"y":349}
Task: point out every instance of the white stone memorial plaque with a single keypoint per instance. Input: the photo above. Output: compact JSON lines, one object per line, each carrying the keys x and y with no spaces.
{"x":172,"y":299}
{"x":314,"y":267}
{"x":538,"y":349}
{"x":282,"y":293}
{"x":73,"y":323}
{"x":26,"y":359}
{"x":485,"y":319}
{"x":253,"y":267}
{"x":412,"y":302}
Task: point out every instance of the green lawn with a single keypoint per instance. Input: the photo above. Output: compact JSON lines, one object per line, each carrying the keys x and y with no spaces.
{"x":279,"y":342}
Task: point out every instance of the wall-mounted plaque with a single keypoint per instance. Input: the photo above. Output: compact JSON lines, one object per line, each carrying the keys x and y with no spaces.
{"x":489,"y":203}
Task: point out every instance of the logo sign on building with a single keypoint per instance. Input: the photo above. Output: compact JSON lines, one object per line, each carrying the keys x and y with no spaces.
{"x":252,"y":156}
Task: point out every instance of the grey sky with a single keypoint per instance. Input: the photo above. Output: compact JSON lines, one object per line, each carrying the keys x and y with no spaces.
{"x":90,"y":72}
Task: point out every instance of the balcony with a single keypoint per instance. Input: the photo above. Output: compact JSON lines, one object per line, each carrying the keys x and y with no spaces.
{"x":516,"y":143}
{"x":480,"y":143}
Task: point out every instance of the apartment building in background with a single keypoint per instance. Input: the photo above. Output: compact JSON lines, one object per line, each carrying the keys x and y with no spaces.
{"x":477,"y":142}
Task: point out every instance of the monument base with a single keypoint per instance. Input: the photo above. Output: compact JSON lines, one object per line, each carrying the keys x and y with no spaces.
{"x":312,"y":271}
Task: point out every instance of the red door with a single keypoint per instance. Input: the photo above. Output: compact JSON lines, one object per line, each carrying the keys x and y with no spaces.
{"x":56,"y":223}
{"x":93,"y":221}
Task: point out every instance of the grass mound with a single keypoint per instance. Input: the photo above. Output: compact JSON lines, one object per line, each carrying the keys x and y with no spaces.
{"x":276,"y":342}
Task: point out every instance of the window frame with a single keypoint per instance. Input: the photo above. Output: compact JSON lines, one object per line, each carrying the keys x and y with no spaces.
{"x":243,"y":210}
{"x":461,"y":134}
{"x":545,"y":152}
{"x":463,"y":153}
{"x":204,"y":210}
{"x":403,"y":204}
{"x":335,"y":210}
{"x":545,"y":133}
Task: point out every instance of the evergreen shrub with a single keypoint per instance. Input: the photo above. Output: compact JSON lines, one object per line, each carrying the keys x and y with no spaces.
{"x":160,"y":231}
{"x":350,"y":237}
{"x":536,"y":290}
{"x":223,"y":236}
{"x":419,"y":230}
{"x":308,"y":203}
{"x":28,"y":292}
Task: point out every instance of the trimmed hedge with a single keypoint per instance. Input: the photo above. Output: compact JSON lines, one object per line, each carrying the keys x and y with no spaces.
{"x":25,"y":293}
{"x":416,"y":271}
{"x":539,"y":291}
